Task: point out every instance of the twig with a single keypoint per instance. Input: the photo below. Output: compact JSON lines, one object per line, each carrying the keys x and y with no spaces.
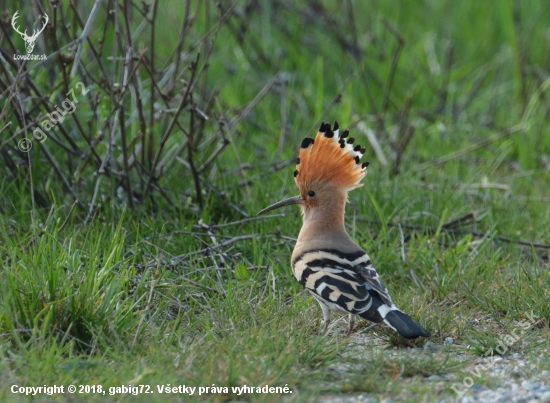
{"x":224,"y":243}
{"x":219,"y":194}
{"x":279,"y":165}
{"x":371,"y":136}
{"x":334,"y":101}
{"x":152,"y":100}
{"x":59,"y":173}
{"x":406,"y":132}
{"x":272,"y":274}
{"x":164,"y":138}
{"x":402,"y":242}
{"x":169,"y":235}
{"x":353,"y":26}
{"x":444,"y":92}
{"x":469,"y":149}
{"x":240,"y":221}
{"x":94,"y":197}
{"x":463,"y":232}
{"x":68,"y":216}
{"x":365,"y":330}
{"x":244,"y":113}
{"x":126,"y":178}
{"x":214,"y":155}
{"x":204,"y":287}
{"x":393,"y":67}
{"x":407,"y":136}
{"x":147,"y":308}
{"x":284,"y":118}
{"x":84,"y":36}
{"x":460,"y":220}
{"x":190,"y":146}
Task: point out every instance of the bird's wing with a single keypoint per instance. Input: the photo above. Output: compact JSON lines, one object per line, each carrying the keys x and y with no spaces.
{"x":373,"y":281}
{"x":332,"y":276}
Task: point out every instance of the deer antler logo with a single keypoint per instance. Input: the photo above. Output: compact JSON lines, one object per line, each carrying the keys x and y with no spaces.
{"x":29,"y":40}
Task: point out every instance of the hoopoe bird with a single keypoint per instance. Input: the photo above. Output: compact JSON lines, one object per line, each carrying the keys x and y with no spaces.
{"x":325,"y":260}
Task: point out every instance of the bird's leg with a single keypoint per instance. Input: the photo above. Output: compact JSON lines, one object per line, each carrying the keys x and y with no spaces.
{"x":326,"y":316}
{"x":351,"y":324}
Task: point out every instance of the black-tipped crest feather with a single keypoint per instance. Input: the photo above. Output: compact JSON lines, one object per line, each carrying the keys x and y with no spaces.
{"x":307,"y":142}
{"x":324,"y":127}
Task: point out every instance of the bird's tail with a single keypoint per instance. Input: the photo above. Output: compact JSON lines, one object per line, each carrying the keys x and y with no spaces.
{"x":404,"y":325}
{"x":394,"y":318}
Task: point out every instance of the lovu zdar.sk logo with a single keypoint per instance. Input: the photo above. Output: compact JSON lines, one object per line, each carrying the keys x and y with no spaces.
{"x":30,"y":40}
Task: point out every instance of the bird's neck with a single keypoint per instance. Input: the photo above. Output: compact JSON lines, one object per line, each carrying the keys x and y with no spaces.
{"x":325,"y":221}
{"x":324,"y":229}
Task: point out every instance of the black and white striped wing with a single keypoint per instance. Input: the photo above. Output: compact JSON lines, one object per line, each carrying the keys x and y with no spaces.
{"x":348,"y":282}
{"x":333,"y":278}
{"x":373,"y":281}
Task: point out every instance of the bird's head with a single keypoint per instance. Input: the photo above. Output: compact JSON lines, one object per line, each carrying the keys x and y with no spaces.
{"x":328,"y":167}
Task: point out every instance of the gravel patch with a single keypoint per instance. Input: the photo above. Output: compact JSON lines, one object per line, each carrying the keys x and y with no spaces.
{"x":515,"y":378}
{"x":534,"y":390}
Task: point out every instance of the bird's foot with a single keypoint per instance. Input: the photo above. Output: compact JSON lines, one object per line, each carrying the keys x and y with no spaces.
{"x":351,"y":324}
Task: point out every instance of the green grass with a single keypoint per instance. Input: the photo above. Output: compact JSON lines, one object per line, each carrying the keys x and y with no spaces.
{"x":126,"y":299}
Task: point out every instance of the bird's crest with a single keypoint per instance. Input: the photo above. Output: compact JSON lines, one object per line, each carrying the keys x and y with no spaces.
{"x":330,"y":158}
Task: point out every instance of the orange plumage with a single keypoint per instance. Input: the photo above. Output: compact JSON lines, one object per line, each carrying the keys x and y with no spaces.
{"x":330,"y":159}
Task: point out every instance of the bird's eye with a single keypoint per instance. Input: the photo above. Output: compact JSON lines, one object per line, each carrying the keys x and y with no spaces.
{"x":311,"y":193}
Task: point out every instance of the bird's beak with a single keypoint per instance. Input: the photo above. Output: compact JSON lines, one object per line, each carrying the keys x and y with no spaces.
{"x":282,"y":203}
